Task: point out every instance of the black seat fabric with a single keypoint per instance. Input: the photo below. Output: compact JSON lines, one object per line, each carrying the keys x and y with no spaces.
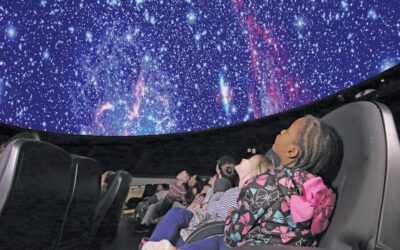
{"x":85,"y":194}
{"x":367,"y":209}
{"x":207,"y":230}
{"x":34,"y":187}
{"x":109,"y":210}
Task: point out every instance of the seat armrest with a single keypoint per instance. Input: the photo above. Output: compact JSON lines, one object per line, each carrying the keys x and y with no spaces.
{"x":217,"y":228}
{"x":207,"y":230}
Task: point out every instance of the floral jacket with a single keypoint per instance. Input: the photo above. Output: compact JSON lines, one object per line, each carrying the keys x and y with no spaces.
{"x":286,"y":206}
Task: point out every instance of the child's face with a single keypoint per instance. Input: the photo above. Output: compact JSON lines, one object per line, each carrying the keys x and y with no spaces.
{"x":183,"y":176}
{"x":243,"y":166}
{"x":285,"y":144}
{"x":192,"y":181}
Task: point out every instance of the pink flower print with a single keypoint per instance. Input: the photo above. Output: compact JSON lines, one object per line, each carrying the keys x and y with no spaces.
{"x":227,"y":227}
{"x":246,"y":229}
{"x":248,"y":182}
{"x":305,"y":231}
{"x":244,"y":219}
{"x":228,"y":220}
{"x":286,"y":182}
{"x":285,"y":204}
{"x":296,"y":176}
{"x":285,"y":235}
{"x":261,"y":179}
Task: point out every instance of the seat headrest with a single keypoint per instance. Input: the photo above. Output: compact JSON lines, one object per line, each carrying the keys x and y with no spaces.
{"x":360,"y":182}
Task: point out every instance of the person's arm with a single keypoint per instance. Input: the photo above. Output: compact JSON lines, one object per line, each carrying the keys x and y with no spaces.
{"x":209,"y":193}
{"x":219,"y":212}
{"x":251,"y":206}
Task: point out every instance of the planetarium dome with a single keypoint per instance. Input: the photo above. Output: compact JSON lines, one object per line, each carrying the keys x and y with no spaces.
{"x":149,"y":67}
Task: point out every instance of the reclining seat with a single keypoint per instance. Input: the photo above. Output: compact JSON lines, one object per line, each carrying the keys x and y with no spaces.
{"x":108,"y":212}
{"x":34,"y":192}
{"x":368,"y":202}
{"x":84,"y":197}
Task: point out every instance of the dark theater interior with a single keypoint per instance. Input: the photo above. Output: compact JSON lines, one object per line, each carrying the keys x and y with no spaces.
{"x":184,"y":124}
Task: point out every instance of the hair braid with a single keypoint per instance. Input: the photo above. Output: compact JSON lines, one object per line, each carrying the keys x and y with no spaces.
{"x":320,"y":149}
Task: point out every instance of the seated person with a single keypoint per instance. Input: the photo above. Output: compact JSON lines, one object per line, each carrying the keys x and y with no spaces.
{"x":296,"y":204}
{"x":211,"y":182}
{"x":106,"y":179}
{"x":176,"y":192}
{"x":198,"y":200}
{"x":161,"y":191}
{"x":289,"y":204}
{"x":194,"y":186}
{"x":227,"y":178}
{"x":169,"y":227}
{"x":225,"y":168}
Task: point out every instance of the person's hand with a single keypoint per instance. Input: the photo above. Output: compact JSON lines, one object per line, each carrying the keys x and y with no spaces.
{"x":231,"y":210}
{"x":193,"y":206}
{"x":212,"y":180}
{"x":103,"y":183}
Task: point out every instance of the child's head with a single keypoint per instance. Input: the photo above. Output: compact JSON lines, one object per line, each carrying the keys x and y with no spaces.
{"x":106,"y":179}
{"x":226,"y":168}
{"x":159,"y":188}
{"x":195,"y":184}
{"x":183,"y":176}
{"x":255,"y":165}
{"x":193,"y":180}
{"x":311,"y":145}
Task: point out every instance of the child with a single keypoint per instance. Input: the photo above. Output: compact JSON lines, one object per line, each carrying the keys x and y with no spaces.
{"x":289,"y":204}
{"x":176,"y":192}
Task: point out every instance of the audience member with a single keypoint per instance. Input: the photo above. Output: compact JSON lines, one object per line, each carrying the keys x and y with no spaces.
{"x":177,"y":219}
{"x":176,"y":192}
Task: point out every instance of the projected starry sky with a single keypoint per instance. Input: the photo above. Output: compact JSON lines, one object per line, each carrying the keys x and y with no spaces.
{"x":139,"y":67}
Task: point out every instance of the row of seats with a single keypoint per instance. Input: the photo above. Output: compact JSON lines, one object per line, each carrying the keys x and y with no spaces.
{"x":50,"y":199}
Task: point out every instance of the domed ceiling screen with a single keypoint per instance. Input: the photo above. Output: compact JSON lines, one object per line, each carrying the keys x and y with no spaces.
{"x":140,"y":67}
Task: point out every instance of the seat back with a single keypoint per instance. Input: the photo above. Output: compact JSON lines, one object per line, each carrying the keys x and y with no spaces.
{"x":109,"y":210}
{"x":34,"y":191}
{"x":366,"y":214}
{"x":85,"y":196}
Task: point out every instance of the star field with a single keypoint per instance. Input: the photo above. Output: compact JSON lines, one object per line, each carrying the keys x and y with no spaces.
{"x":142,"y":67}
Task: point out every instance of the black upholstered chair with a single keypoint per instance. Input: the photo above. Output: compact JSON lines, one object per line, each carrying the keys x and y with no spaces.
{"x":85,"y":195}
{"x":367,"y":213}
{"x":368,"y":204}
{"x":34,"y":194}
{"x":109,"y":209}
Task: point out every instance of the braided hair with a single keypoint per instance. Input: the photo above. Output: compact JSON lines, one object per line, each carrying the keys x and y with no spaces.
{"x":321,"y":149}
